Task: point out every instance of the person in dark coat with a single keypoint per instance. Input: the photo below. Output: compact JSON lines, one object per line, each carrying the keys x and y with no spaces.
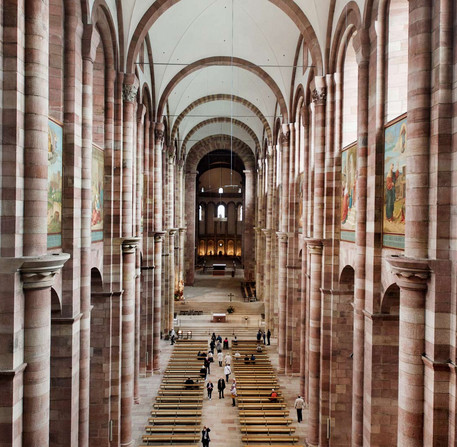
{"x":207,"y":365}
{"x":219,"y":339}
{"x":209,"y":388}
{"x":268,"y":336}
{"x":221,"y":387}
{"x":226,"y":344}
{"x":203,"y":372}
{"x":212,"y":345}
{"x":259,"y":336}
{"x":205,"y":437}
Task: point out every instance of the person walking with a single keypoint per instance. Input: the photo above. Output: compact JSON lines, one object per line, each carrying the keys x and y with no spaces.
{"x":213,"y":337}
{"x":227,"y":372}
{"x":172,"y":336}
{"x":207,"y":365}
{"x":220,"y":357}
{"x":226,"y":343}
{"x":233,"y":392}
{"x":268,"y":336}
{"x":259,"y":336}
{"x":209,"y":389}
{"x":221,"y":387}
{"x":212,"y":345}
{"x":219,"y":339}
{"x":299,"y":405}
{"x":228,"y":360}
{"x":203,"y":372}
{"x":205,"y":437}
{"x":219,"y":346}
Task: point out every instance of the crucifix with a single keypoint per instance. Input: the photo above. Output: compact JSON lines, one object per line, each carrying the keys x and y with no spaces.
{"x":231,"y":295}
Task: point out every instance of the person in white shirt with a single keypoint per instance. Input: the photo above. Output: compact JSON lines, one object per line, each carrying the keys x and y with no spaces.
{"x":227,"y":372}
{"x":228,"y":359}
{"x":220,"y":357}
{"x":299,"y":405}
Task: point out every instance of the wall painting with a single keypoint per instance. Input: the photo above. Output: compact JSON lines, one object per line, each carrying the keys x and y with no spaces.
{"x":55,"y":168}
{"x":348,"y":193}
{"x":98,"y":166}
{"x":394,"y":184}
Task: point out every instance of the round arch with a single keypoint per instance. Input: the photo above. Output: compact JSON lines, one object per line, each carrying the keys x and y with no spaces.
{"x":289,"y":7}
{"x":223,"y":61}
{"x":215,"y":142}
{"x":221,"y":119}
{"x":222,"y":97}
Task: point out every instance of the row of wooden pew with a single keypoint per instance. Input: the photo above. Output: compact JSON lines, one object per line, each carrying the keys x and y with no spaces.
{"x":177,"y":412}
{"x":263,"y":422}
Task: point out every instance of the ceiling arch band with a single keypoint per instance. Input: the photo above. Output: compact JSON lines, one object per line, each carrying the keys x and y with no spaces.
{"x":214,"y":142}
{"x":223,"y":61}
{"x":289,"y":7}
{"x":221,"y":119}
{"x":222,"y":97}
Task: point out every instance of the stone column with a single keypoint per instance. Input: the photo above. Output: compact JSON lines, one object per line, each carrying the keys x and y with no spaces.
{"x":282,"y":297}
{"x":315,"y":250}
{"x":172,"y":275}
{"x":37,"y":275}
{"x":91,"y":40}
{"x":190,"y":224}
{"x":282,"y":248}
{"x":158,"y":243}
{"x":418,"y":127}
{"x":182,"y":241}
{"x":412,"y":276}
{"x":267,"y":280}
{"x":249,"y":212}
{"x":129,"y":245}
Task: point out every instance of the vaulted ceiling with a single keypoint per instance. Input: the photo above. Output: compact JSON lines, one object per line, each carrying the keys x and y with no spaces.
{"x":206,"y":52}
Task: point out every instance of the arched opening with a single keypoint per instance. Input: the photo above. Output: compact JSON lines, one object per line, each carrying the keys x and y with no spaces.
{"x":341,"y":359}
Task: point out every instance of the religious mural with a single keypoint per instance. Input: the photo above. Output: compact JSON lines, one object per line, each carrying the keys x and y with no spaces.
{"x":348,"y":193}
{"x":394,"y":184}
{"x":98,"y":162}
{"x":55,"y":168}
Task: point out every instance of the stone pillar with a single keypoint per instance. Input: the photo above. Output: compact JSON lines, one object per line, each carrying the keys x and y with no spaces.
{"x":172,"y":275}
{"x":282,"y":297}
{"x":412,"y":276}
{"x":37,"y":275}
{"x":249,"y":213}
{"x":191,"y":178}
{"x":91,"y":40}
{"x":182,"y":241}
{"x":315,"y":250}
{"x":418,"y":127}
{"x":137,"y":315}
{"x":282,"y":248}
{"x":267,"y":280}
{"x":129,"y":245}
{"x":158,"y":242}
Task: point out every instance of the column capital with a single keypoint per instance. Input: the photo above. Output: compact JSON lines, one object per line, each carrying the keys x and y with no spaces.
{"x":159,"y":133}
{"x":38,"y":272}
{"x":172,"y":231}
{"x":159,"y":236}
{"x":129,"y":244}
{"x":315,"y":246}
{"x":192,"y":173}
{"x":319,"y":95}
{"x":130,"y":87}
{"x":91,"y":39}
{"x":284,"y":135}
{"x":412,"y":274}
{"x":282,"y":236}
{"x":182,"y":230}
{"x":268,"y":232}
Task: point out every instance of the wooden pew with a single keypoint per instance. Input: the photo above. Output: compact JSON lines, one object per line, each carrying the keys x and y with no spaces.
{"x":171,"y":438}
{"x":172,"y":429}
{"x":180,"y":405}
{"x":265,"y":420}
{"x":261,"y":406}
{"x":180,"y":399}
{"x":269,"y":439}
{"x":270,"y":429}
{"x":174,"y":421}
{"x":263,"y":413}
{"x":176,"y":413}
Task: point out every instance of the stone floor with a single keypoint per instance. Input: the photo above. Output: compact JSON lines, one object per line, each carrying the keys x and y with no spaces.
{"x":218,"y":414}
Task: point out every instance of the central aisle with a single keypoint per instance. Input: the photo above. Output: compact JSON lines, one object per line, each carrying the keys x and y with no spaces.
{"x":219,"y":415}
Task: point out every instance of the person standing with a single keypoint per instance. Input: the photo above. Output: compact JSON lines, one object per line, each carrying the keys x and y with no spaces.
{"x":220,"y":357}
{"x":268,"y":336}
{"x":212,"y":345}
{"x":264,"y":336}
{"x":259,"y":336}
{"x":207,"y":365}
{"x":209,"y":389}
{"x":219,"y":346}
{"x":172,"y":336}
{"x":221,"y":387}
{"x":227,"y":372}
{"x":233,"y":392}
{"x":299,"y":405}
{"x":228,"y":360}
{"x":205,"y":437}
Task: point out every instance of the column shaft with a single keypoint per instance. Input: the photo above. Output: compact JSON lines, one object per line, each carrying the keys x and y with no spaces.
{"x":158,"y":241}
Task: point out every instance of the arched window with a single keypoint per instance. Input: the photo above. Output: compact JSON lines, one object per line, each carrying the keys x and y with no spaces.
{"x":240,"y":213}
{"x":221,"y":211}
{"x":350,"y":94}
{"x":200,"y":213}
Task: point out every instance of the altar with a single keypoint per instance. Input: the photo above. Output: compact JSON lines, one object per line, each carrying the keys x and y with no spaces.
{"x":219,"y":318}
{"x":219,"y":269}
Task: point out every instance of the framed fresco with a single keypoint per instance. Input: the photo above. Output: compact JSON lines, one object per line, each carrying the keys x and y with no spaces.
{"x":55,"y":168}
{"x":348,"y":193}
{"x":98,"y":166}
{"x":395,"y":151}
